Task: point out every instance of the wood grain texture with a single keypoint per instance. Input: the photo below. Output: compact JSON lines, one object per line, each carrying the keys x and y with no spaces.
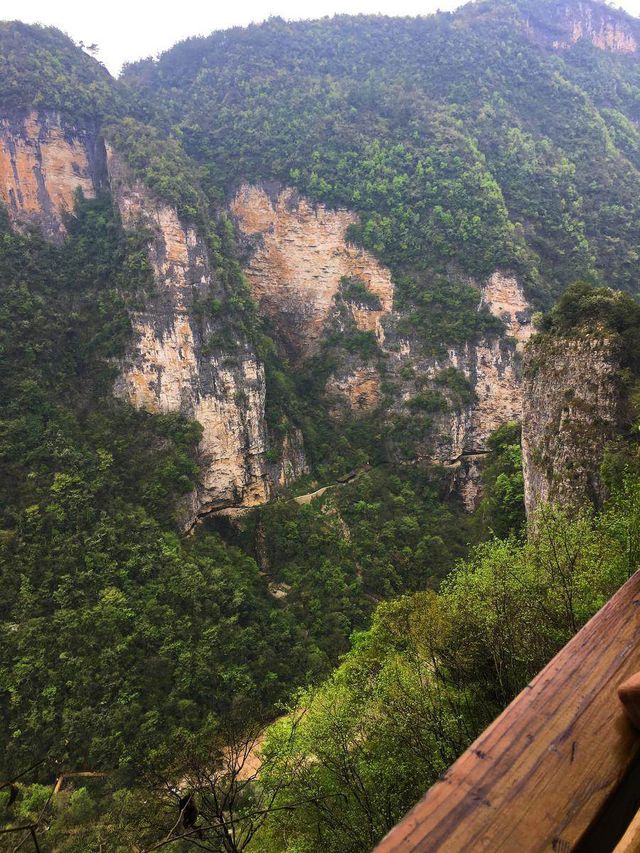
{"x":630,"y":842}
{"x":539,"y":775}
{"x":629,"y":695}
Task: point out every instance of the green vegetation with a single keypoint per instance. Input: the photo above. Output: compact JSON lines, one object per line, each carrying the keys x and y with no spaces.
{"x":461,"y":144}
{"x":501,"y":509}
{"x":379,"y":535}
{"x":428,"y":401}
{"x":432,"y":671}
{"x":40,"y":67}
{"x":356,"y":291}
{"x":161,"y":164}
{"x":429,"y":674}
{"x":362,"y":618}
{"x":116,"y":633}
{"x":600,"y":310}
{"x":457,"y":385}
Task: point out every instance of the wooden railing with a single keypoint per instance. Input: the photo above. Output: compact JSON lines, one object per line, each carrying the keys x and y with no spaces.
{"x":559,"y":770}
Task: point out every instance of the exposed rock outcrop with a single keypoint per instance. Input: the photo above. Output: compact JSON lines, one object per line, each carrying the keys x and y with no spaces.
{"x":292,"y":461}
{"x":504,"y":297}
{"x":43,"y":162}
{"x":569,"y":22}
{"x":493,"y":367}
{"x":300,"y":266}
{"x":300,"y":254}
{"x":573,"y":406}
{"x":169,"y":367}
{"x":359,"y":388}
{"x":493,"y":370}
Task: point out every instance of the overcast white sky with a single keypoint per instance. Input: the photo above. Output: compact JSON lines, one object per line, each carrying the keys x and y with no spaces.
{"x":126,"y":30}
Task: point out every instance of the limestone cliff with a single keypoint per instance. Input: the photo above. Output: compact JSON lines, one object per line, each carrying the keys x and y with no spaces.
{"x":300,"y":255}
{"x":357,"y":387}
{"x":43,"y":162}
{"x":177,"y":364}
{"x":492,"y":368}
{"x":308,"y":280}
{"x":566,"y":23}
{"x":572,"y":407}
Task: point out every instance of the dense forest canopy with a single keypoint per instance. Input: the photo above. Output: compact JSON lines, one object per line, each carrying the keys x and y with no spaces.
{"x":455,"y":136}
{"x":41,"y":67}
{"x":380,"y":625}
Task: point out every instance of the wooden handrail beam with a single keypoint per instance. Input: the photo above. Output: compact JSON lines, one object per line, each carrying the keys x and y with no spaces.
{"x":538,"y":777}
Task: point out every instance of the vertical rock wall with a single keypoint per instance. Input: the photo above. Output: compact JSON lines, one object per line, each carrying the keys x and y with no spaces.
{"x":573,"y":406}
{"x":297,"y":255}
{"x":169,"y":369}
{"x":493,"y":368}
{"x":171,"y":366}
{"x":43,"y":162}
{"x":570,"y":22}
{"x":300,"y":254}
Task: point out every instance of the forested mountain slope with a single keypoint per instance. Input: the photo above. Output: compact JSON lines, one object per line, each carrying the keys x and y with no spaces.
{"x":276,"y":259}
{"x":474,"y":144}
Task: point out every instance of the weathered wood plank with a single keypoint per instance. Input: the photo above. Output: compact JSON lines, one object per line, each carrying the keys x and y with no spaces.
{"x":540,"y":774}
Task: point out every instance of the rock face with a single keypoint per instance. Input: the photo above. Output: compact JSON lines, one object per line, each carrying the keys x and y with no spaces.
{"x":300,"y":254}
{"x":172,"y":365}
{"x":172,"y":368}
{"x":607,"y":29}
{"x":359,"y":388}
{"x":297,"y":257}
{"x":43,"y":162}
{"x":492,"y":368}
{"x":504,"y":297}
{"x":572,"y":408}
{"x":308,"y":280}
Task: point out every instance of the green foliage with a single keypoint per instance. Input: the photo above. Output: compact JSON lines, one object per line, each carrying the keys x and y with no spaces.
{"x":160,"y":163}
{"x":433,"y":670}
{"x":114,"y":632}
{"x":419,"y":183}
{"x":333,"y":445}
{"x":159,"y":160}
{"x":599,"y":309}
{"x":456,"y":139}
{"x":502,"y":507}
{"x":442,"y":308}
{"x":63,"y":321}
{"x":464,"y":148}
{"x":361,"y":342}
{"x":381,"y":534}
{"x":457,"y":386}
{"x":428,"y":401}
{"x":356,"y":291}
{"x":41,"y":67}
